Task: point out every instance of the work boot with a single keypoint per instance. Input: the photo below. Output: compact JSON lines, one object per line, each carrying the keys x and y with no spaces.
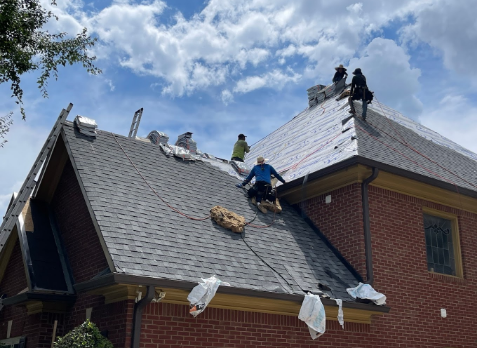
{"x":254,"y":201}
{"x":262,"y":208}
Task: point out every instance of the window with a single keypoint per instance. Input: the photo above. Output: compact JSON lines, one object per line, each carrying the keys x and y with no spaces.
{"x":442,"y":243}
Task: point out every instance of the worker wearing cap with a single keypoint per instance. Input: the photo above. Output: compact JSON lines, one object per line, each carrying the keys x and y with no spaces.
{"x":262,"y":172}
{"x":240,"y":148}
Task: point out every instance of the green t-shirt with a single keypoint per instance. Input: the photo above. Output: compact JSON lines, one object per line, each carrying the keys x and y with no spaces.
{"x":240,"y":148}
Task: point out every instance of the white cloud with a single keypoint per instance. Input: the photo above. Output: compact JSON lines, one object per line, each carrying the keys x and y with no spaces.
{"x":227,"y":97}
{"x":227,"y":37}
{"x":442,"y":119}
{"x":274,"y":79}
{"x":450,"y":27}
{"x":390,"y":75}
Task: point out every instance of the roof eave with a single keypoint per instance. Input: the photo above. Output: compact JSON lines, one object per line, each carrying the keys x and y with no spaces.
{"x":116,"y":278}
{"x":385,"y":167}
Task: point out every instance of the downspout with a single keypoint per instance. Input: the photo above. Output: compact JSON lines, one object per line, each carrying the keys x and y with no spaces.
{"x":366,"y":225}
{"x":137,"y":316}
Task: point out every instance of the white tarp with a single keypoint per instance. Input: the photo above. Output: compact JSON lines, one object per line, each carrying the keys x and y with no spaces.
{"x":366,"y":291}
{"x":202,"y":294}
{"x":312,"y":312}
{"x":340,"y":312}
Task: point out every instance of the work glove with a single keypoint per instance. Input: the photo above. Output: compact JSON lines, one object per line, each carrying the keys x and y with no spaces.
{"x":239,"y":185}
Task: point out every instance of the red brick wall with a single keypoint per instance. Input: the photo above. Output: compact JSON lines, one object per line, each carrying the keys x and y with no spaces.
{"x":171,"y":326}
{"x":80,"y":239}
{"x":400,"y":267}
{"x":14,"y":279}
{"x":341,"y":222}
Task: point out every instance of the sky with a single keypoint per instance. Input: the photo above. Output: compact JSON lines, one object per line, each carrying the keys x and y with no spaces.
{"x":218,"y":68}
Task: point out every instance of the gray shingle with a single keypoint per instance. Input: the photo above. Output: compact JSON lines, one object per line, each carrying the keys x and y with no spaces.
{"x":145,"y":237}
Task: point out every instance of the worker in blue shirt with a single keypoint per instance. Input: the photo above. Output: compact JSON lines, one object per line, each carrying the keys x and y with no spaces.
{"x":262,"y":172}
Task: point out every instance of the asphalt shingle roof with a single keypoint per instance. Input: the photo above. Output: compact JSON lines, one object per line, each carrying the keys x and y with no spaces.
{"x":146,"y":238}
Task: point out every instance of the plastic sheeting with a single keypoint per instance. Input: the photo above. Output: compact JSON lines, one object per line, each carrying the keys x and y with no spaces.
{"x":86,"y":126}
{"x":312,"y":312}
{"x":366,"y":291}
{"x":340,"y":312}
{"x":202,"y":294}
{"x":240,"y":167}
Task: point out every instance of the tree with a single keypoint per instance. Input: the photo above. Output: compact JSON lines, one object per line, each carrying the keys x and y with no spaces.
{"x":25,"y":47}
{"x":5,"y":123}
{"x":86,"y":335}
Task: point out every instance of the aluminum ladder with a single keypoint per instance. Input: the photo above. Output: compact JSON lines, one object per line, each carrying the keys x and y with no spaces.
{"x":135,"y":123}
{"x":28,"y":186}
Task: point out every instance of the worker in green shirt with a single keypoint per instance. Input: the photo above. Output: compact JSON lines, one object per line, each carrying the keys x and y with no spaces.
{"x":240,"y":148}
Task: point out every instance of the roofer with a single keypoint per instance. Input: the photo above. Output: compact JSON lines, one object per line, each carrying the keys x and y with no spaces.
{"x":262,"y":172}
{"x":359,"y":91}
{"x":340,"y":73}
{"x":240,"y":148}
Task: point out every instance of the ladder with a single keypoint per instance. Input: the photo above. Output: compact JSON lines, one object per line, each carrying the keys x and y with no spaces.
{"x":135,"y":123}
{"x":17,"y":205}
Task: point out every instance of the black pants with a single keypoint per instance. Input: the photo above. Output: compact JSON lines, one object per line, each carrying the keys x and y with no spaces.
{"x":259,"y":190}
{"x":238,"y":159}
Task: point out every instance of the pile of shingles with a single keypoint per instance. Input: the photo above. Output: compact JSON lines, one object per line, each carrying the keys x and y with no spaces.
{"x":86,"y":126}
{"x":312,"y":94}
{"x":227,"y":219}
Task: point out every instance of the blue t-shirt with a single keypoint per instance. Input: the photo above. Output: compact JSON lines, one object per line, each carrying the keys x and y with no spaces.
{"x":263,"y":172}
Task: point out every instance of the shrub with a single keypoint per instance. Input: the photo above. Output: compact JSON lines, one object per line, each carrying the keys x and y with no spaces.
{"x":86,"y":335}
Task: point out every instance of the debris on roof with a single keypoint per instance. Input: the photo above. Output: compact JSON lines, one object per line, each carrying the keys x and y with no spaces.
{"x":318,"y":93}
{"x":227,"y":219}
{"x":240,"y":167}
{"x":86,"y":126}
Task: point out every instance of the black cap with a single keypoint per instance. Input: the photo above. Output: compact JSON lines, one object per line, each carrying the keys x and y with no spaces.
{"x":242,"y":136}
{"x":357,"y":71}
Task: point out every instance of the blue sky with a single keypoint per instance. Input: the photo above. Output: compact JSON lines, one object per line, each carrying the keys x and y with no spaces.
{"x":222,"y":67}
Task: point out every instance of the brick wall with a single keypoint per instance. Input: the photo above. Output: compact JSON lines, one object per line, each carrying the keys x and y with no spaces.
{"x":14,"y":279}
{"x":171,"y":326}
{"x":400,"y":267}
{"x":341,"y":222}
{"x":79,"y":236}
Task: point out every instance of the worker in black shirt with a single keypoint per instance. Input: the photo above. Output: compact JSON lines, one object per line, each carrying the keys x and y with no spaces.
{"x":340,"y":73}
{"x":358,"y":91}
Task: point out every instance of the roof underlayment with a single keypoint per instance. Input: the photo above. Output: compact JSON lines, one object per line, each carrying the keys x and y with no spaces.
{"x":325,"y":134}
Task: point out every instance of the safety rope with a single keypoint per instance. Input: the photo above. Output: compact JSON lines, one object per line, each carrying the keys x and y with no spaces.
{"x":152,"y":189}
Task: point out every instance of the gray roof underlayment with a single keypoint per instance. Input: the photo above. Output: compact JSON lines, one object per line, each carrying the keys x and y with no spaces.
{"x":325,"y":134}
{"x":146,"y":238}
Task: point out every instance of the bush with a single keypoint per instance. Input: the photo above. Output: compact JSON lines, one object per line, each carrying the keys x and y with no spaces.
{"x":86,"y":335}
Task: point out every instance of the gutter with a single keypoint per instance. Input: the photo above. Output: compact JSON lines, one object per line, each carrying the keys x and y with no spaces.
{"x":137,"y":316}
{"x":366,"y":226}
{"x":119,"y":278}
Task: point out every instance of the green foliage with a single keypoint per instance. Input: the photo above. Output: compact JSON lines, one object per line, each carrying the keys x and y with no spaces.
{"x":5,"y":123}
{"x":24,"y":47}
{"x":86,"y":335}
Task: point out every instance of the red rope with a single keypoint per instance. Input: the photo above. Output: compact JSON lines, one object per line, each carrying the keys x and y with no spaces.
{"x":152,"y":189}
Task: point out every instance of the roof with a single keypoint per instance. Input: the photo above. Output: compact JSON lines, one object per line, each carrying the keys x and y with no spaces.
{"x":325,"y":134}
{"x":146,"y":238}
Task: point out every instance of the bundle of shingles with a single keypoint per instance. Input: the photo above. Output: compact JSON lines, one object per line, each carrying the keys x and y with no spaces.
{"x":86,"y":126}
{"x":312,"y":93}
